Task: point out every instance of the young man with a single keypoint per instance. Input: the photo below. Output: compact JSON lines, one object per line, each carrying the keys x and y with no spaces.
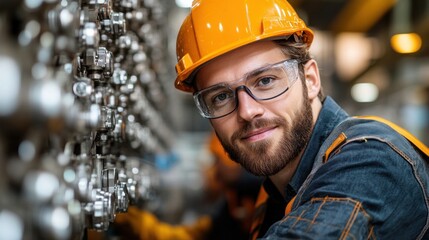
{"x":248,"y":66}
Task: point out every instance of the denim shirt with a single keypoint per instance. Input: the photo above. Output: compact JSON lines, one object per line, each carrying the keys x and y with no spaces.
{"x":374,"y":186}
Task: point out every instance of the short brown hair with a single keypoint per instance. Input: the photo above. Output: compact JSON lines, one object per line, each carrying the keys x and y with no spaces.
{"x":294,"y":48}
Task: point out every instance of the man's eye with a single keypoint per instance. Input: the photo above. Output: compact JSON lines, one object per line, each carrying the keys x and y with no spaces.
{"x":220,"y":99}
{"x":265,"y":82}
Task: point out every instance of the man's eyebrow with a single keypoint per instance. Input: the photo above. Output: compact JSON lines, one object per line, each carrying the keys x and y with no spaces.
{"x":258,"y":71}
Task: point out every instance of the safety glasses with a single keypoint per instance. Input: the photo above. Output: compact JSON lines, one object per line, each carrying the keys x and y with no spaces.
{"x":261,"y":84}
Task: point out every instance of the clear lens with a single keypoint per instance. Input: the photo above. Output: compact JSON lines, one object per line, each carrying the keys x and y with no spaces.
{"x":261,"y":84}
{"x":215,"y":101}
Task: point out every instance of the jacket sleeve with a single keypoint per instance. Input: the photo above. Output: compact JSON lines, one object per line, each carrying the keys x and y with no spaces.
{"x":366,"y":190}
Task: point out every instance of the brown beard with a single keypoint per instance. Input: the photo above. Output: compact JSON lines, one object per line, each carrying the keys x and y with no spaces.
{"x":257,"y":159}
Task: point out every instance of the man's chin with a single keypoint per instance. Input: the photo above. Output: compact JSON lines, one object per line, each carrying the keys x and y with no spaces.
{"x":261,"y":163}
{"x":264,"y":170}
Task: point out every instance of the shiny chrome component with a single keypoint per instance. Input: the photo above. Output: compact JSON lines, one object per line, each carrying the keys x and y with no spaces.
{"x":81,"y":110}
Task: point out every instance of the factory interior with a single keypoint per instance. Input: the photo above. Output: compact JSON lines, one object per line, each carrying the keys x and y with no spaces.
{"x":92,"y":125}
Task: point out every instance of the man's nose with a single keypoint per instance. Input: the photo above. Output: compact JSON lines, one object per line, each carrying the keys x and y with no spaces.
{"x":248,"y":108}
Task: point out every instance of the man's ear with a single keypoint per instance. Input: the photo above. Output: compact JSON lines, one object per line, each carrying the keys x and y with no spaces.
{"x":312,"y":79}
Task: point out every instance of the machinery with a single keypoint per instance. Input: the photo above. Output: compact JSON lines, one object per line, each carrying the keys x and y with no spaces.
{"x":81,"y":113}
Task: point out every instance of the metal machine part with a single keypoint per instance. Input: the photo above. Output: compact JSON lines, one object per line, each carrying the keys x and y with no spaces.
{"x":81,"y":113}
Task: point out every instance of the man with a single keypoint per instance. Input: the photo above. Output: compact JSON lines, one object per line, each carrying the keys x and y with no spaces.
{"x":248,"y":66}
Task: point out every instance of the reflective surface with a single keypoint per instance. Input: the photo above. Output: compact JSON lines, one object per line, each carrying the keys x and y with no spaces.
{"x":81,"y":114}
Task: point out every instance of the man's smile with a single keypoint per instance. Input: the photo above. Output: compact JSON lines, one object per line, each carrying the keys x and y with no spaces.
{"x":259,"y":134}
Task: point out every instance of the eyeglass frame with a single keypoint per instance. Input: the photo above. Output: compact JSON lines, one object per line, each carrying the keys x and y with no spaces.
{"x":243,"y":86}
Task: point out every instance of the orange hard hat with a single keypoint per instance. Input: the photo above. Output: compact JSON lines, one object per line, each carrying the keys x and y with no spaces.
{"x":215,"y":27}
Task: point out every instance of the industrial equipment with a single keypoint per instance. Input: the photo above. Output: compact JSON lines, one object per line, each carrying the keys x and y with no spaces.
{"x":81,"y":113}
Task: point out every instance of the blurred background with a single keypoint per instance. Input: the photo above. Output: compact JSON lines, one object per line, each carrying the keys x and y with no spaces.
{"x":91,"y":123}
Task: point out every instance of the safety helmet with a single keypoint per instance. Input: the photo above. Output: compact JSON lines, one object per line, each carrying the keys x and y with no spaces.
{"x":215,"y":27}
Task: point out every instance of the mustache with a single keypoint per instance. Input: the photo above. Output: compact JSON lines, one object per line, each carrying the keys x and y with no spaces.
{"x":256,"y":124}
